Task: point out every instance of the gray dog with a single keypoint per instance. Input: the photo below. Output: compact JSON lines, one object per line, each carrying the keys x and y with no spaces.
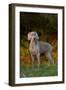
{"x":37,"y":48}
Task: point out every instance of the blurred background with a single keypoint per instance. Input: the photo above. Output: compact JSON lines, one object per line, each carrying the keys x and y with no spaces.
{"x":46,"y":26}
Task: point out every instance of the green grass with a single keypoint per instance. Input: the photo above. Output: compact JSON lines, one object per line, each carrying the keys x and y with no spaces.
{"x":44,"y":70}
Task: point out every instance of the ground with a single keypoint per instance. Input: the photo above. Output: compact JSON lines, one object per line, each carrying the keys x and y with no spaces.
{"x":44,"y":70}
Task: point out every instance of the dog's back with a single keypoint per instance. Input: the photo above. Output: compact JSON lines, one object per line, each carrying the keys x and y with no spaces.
{"x":44,"y":47}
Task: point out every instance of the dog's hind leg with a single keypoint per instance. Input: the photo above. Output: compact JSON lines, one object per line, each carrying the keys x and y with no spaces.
{"x":50,"y":59}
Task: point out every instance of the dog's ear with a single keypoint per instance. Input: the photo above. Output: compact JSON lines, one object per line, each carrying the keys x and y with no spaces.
{"x":29,"y":36}
{"x":37,"y":37}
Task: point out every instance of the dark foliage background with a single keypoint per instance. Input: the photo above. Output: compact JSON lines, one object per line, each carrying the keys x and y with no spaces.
{"x":39,"y":22}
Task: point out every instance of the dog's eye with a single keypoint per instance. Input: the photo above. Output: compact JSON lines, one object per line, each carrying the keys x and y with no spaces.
{"x":35,"y":34}
{"x":32,"y":34}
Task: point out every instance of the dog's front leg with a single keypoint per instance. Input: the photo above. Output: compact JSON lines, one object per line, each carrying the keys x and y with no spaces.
{"x":38,"y":58}
{"x":32,"y":61}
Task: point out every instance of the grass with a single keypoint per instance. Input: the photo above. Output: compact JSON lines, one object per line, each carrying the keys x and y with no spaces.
{"x":44,"y":70}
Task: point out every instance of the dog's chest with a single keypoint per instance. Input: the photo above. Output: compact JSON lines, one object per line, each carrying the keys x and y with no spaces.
{"x":34,"y":49}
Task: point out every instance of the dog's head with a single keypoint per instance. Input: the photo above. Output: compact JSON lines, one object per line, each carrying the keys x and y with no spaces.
{"x":33,"y":36}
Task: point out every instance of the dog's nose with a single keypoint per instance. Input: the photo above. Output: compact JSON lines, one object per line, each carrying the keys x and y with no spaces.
{"x":34,"y":39}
